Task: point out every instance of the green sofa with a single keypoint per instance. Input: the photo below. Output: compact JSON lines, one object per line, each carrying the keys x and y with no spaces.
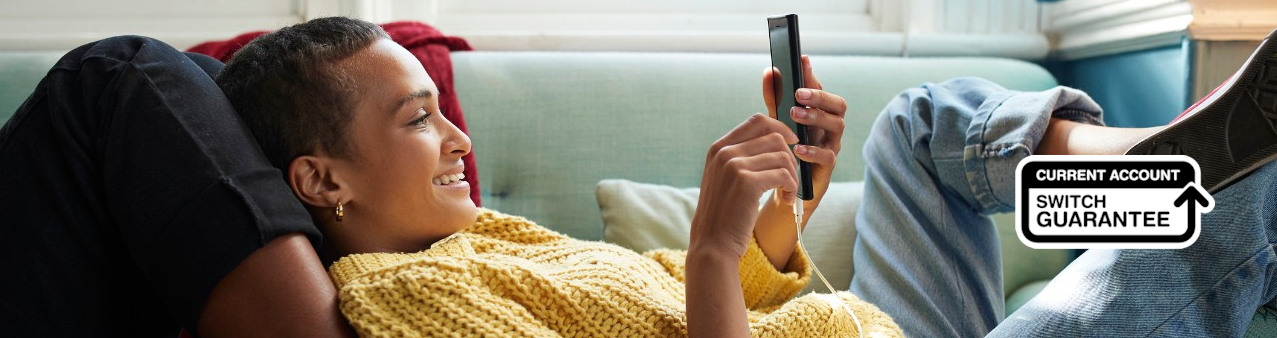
{"x":547,"y":127}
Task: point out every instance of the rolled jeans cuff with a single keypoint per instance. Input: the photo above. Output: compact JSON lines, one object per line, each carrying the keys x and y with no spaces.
{"x":1006,"y":128}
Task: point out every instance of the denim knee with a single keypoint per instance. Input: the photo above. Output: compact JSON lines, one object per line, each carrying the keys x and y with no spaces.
{"x":891,"y":131}
{"x":117,"y":48}
{"x":930,"y":124}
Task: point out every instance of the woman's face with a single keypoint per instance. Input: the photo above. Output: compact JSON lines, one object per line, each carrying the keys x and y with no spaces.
{"x":402,"y":193}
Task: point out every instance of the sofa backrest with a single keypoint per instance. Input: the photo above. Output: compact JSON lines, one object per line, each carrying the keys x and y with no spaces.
{"x":19,"y":74}
{"x":547,"y":126}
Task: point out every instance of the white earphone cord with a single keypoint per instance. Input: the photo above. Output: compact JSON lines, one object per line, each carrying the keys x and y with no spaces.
{"x":798,"y":221}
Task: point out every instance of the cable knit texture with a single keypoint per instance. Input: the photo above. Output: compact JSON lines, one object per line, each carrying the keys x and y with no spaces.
{"x":506,"y":276}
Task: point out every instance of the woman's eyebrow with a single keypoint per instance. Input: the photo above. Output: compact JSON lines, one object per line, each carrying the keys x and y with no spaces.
{"x":420,"y":94}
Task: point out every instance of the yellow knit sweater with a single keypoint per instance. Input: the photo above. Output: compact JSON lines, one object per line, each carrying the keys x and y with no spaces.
{"x":506,"y":276}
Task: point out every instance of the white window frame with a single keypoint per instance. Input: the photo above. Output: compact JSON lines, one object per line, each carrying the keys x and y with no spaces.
{"x":60,"y":25}
{"x":1090,"y":28}
{"x":1007,"y":28}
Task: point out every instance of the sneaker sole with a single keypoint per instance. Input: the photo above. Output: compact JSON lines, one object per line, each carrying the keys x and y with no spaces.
{"x":1234,"y":133}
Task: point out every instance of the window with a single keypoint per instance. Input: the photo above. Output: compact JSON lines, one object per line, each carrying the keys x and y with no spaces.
{"x":1006,"y":28}
{"x":868,"y":27}
{"x":60,"y":25}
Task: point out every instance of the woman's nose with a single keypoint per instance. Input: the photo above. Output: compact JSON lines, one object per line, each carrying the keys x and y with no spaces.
{"x":457,"y":142}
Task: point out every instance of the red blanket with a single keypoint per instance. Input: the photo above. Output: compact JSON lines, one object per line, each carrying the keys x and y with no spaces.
{"x":430,"y":47}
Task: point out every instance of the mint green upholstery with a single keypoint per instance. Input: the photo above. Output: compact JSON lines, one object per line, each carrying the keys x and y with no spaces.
{"x":19,"y":74}
{"x":548,"y":126}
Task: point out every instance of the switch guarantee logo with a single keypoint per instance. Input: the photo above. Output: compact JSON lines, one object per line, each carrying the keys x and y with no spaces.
{"x":1128,"y":202}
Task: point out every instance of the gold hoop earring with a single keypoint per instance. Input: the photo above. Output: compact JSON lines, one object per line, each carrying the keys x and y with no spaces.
{"x":341,"y":212}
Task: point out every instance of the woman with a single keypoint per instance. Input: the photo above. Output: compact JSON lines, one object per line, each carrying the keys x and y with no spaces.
{"x":352,"y":120}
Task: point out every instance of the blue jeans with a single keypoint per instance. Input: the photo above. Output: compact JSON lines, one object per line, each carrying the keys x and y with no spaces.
{"x":942,"y":157}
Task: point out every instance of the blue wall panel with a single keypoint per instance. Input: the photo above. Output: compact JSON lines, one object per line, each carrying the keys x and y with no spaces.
{"x":1136,"y":89}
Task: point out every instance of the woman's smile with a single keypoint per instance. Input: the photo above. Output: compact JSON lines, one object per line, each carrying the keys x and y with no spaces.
{"x":452,"y":181}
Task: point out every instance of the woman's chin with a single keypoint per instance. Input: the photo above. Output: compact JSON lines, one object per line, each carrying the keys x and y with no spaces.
{"x":466,"y":206}
{"x":458,"y":210}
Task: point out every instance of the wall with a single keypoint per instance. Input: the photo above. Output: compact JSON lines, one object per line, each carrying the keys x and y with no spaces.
{"x":1214,"y":61}
{"x":1146,"y":60}
{"x":1129,"y":55}
{"x":1136,"y":89}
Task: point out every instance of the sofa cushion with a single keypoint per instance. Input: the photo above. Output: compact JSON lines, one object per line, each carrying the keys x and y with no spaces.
{"x":1018,"y":297}
{"x":547,"y":126}
{"x":644,"y":217}
{"x":19,"y":74}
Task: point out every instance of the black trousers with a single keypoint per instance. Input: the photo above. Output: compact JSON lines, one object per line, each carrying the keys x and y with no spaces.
{"x":128,"y":189}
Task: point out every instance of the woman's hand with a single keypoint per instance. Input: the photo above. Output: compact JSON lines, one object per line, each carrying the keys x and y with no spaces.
{"x":750,"y":160}
{"x":775,"y":230}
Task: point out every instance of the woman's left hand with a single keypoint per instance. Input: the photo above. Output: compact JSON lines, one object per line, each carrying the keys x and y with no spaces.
{"x":823,"y":114}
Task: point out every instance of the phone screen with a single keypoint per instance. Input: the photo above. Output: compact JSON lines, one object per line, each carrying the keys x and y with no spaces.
{"x":783,"y":62}
{"x":786,"y":54}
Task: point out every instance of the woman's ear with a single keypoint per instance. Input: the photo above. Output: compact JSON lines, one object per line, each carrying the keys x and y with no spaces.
{"x":314,"y":182}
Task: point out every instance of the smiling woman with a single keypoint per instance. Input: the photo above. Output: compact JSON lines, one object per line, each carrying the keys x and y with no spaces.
{"x":394,"y":178}
{"x":413,"y":254}
{"x":374,"y":144}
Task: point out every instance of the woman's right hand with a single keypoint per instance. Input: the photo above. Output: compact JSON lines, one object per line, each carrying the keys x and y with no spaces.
{"x":750,"y":160}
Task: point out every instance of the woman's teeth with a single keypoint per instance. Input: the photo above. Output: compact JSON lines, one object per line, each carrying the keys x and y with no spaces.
{"x":449,"y":179}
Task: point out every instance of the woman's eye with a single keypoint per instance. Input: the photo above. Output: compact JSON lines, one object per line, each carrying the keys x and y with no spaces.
{"x":423,"y":121}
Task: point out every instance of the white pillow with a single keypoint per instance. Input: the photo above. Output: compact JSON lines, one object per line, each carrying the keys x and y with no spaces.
{"x":643,"y":217}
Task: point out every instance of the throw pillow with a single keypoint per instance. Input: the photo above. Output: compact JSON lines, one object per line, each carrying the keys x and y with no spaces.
{"x":644,"y":217}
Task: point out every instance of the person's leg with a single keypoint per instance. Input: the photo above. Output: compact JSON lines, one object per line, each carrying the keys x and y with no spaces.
{"x":1065,"y":137}
{"x":938,"y":160}
{"x":1213,"y":287}
{"x":1233,"y":130}
{"x":128,"y":189}
{"x":920,"y":255}
{"x":206,"y":63}
{"x":1209,"y":289}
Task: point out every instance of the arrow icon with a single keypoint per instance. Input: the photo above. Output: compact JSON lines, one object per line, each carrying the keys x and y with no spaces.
{"x":1194,"y":193}
{"x":1193,"y":196}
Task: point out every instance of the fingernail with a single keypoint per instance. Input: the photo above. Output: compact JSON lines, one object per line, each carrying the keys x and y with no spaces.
{"x":799,"y":112}
{"x":803,"y":94}
{"x":800,"y":149}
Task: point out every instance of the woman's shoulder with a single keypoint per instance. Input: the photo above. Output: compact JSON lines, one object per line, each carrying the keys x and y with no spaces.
{"x":492,"y":231}
{"x":496,"y":225}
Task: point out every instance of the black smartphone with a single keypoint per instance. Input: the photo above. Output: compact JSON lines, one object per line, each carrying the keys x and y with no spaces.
{"x":787,"y":57}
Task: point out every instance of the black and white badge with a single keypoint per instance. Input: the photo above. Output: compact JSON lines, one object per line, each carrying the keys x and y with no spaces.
{"x":1126,"y":202}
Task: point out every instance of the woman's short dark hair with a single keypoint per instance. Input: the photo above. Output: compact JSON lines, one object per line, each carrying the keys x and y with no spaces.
{"x":289,"y":92}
